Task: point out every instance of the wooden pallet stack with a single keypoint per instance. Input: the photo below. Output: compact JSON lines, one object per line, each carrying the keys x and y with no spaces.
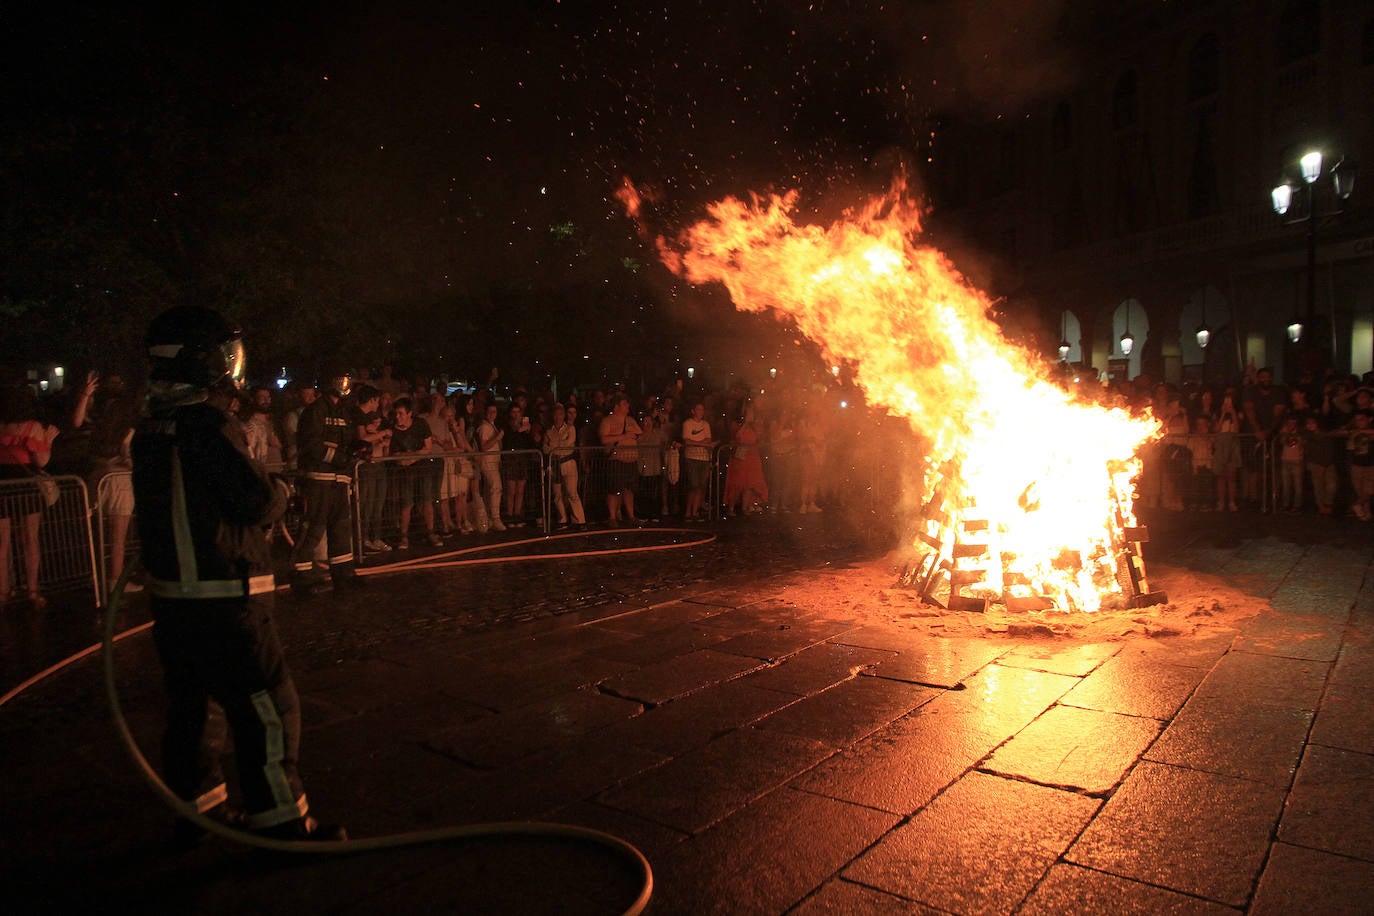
{"x":959,"y":556}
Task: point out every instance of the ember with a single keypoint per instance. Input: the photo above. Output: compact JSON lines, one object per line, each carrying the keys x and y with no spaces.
{"x":1027,"y":492}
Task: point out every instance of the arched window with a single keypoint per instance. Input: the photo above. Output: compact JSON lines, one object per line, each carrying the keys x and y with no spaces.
{"x":1204,"y":67}
{"x":1125,"y":102}
{"x":1299,"y":31}
{"x":1062,"y":127}
{"x":1203,"y":195}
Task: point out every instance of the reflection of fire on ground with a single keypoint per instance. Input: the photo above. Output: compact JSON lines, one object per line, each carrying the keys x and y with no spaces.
{"x":1026,"y":495}
{"x":1201,"y":606}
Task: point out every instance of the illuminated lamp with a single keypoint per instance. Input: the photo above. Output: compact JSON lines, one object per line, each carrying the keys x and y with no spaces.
{"x":1311,"y":166}
{"x":1282,"y":198}
{"x":1295,"y":330}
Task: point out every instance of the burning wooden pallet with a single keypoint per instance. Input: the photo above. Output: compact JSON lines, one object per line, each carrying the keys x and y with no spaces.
{"x":956,"y":568}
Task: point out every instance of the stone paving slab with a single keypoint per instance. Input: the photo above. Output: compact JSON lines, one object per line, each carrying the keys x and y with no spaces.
{"x":1075,"y":660}
{"x":1293,"y":683}
{"x":938,"y":662}
{"x":1330,"y":803}
{"x":1071,"y":890}
{"x":496,"y":740}
{"x":1137,"y":683}
{"x":778,"y":641}
{"x":1078,"y":749}
{"x":1291,"y":635}
{"x":841,"y":715}
{"x":677,"y":677}
{"x":902,"y":766}
{"x":696,"y":789}
{"x":1235,"y":738}
{"x":699,"y":718}
{"x":658,"y":645}
{"x":1298,"y":880}
{"x":535,"y":786}
{"x":660,"y":617}
{"x":846,"y":898}
{"x":889,"y":639}
{"x":981,"y":847}
{"x":1202,"y":651}
{"x":1345,"y":719}
{"x":1355,"y":665}
{"x":1197,"y":833}
{"x":655,"y":841}
{"x":766,"y":857}
{"x":817,"y":668}
{"x":509,"y":685}
{"x":735,"y":595}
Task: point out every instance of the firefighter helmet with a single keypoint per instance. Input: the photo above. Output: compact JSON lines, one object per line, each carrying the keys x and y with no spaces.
{"x":338,"y":382}
{"x":195,"y":346}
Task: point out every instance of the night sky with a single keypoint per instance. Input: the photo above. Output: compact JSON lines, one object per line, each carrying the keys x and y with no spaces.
{"x":425,"y":172}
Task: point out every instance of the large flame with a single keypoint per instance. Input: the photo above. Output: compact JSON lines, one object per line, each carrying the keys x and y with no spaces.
{"x":1050,"y":474}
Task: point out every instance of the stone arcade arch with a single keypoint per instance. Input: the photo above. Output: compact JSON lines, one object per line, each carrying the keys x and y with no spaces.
{"x":1129,"y":315}
{"x":1218,"y":362}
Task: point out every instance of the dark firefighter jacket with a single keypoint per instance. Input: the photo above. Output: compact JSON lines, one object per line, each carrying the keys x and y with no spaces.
{"x":203,"y":506}
{"x":323,"y":435}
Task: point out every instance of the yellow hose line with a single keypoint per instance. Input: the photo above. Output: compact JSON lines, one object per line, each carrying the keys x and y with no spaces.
{"x":440,"y":561}
{"x":69,"y":660}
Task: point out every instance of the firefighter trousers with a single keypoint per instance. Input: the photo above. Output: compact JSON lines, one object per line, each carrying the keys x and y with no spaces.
{"x":328,"y":518}
{"x":225,"y":652}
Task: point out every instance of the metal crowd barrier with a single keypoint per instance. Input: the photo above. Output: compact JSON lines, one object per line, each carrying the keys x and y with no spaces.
{"x":1178,"y":472}
{"x":660,"y":489}
{"x":66,"y":553}
{"x":385,"y":487}
{"x":1184,"y":472}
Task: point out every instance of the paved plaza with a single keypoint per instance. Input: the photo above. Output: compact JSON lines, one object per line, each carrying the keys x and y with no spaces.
{"x":773,"y":724}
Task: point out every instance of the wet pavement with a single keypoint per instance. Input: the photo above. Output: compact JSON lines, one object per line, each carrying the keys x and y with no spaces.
{"x":775,"y":735}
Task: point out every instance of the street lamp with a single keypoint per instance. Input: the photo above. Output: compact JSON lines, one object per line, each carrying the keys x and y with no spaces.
{"x":1282,"y":199}
{"x":1203,"y":333}
{"x":1127,"y":340}
{"x":1064,"y":345}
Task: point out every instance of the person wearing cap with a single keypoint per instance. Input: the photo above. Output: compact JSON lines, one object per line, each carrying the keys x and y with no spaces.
{"x":203,"y":508}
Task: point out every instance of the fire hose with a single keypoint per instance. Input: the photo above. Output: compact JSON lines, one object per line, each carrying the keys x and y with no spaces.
{"x":188,"y":811}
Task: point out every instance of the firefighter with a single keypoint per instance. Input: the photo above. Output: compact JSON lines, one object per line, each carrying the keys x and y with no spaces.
{"x":325,"y":459}
{"x":203,"y":510}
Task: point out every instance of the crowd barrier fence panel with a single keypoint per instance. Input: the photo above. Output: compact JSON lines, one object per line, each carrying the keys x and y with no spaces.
{"x":383,"y":486}
{"x":66,"y":546}
{"x":644,"y":468}
{"x":1179,"y":472}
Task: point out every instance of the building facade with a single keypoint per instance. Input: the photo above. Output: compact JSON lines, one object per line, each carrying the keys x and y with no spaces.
{"x":1138,"y":199}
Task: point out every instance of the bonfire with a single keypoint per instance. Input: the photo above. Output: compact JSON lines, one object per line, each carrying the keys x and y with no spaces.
{"x":1026,"y":490}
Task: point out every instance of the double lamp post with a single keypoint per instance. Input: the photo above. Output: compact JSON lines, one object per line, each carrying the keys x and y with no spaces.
{"x":1301,"y":198}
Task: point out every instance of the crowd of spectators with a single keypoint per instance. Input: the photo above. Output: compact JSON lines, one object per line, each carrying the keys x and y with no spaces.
{"x":1254,"y":443}
{"x":441,"y":462}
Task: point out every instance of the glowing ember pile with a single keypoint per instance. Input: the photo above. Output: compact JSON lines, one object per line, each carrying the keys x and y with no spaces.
{"x":1027,"y":491}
